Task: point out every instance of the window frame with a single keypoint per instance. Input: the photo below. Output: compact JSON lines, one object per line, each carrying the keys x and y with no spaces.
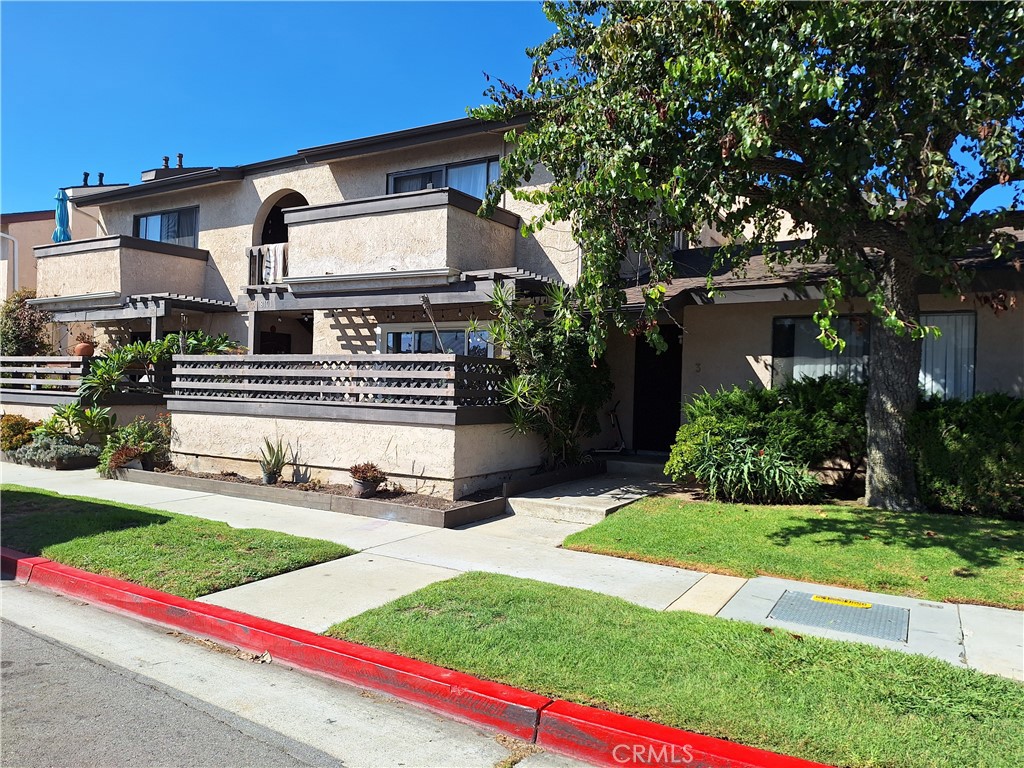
{"x":974,"y":343}
{"x":443,"y":168}
{"x":137,"y":219}
{"x":385,"y":329}
{"x":776,"y":377}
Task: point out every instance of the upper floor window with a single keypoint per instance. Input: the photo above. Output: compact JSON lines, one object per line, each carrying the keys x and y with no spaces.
{"x":179,"y":226}
{"x":471,"y":178}
{"x":947,"y":360}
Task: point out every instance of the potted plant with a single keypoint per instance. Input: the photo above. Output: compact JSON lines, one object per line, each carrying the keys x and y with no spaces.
{"x":273,"y":457}
{"x":366,"y":478}
{"x":85,"y":344}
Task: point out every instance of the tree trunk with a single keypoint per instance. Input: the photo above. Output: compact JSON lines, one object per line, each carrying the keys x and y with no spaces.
{"x":895,"y":362}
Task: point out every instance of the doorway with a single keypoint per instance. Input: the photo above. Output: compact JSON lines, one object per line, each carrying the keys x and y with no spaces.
{"x":657,"y":393}
{"x":274,"y":228}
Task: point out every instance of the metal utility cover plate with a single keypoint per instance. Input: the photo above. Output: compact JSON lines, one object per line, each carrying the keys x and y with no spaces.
{"x":884,"y":622}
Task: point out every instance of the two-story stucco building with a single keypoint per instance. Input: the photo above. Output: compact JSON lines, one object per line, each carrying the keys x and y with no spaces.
{"x":358,"y":275}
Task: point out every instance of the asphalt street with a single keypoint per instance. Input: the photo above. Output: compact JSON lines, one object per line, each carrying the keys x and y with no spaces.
{"x":85,"y":688}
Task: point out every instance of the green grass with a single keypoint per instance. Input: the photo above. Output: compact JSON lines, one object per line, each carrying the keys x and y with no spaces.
{"x":186,"y":556}
{"x":844,"y":704}
{"x":935,"y":557}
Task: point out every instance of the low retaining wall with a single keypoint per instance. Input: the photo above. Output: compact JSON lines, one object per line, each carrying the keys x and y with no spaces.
{"x":40,"y":411}
{"x":445,"y":460}
{"x":382,"y":510}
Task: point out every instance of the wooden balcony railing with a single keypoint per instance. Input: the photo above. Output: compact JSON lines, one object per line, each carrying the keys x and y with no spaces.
{"x":443,"y":381}
{"x":55,"y":374}
{"x":257,"y":256}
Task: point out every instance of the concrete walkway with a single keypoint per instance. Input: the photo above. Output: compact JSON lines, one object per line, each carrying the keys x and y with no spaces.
{"x":399,"y":558}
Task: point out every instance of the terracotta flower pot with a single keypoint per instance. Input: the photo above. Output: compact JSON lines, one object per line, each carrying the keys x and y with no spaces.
{"x":84,"y":349}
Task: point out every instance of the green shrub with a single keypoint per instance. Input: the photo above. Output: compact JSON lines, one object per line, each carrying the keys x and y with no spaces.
{"x":811,"y":422}
{"x":109,"y":374}
{"x":23,"y":328}
{"x":970,"y":455}
{"x":739,"y":471}
{"x":15,"y":431}
{"x":77,"y":424}
{"x":53,"y":450}
{"x":558,"y":389}
{"x":149,"y":441}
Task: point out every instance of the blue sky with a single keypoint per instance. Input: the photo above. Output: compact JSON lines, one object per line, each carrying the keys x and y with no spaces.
{"x":113,"y":87}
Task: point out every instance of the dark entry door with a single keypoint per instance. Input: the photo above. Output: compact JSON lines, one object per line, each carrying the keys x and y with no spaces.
{"x":657,"y":387}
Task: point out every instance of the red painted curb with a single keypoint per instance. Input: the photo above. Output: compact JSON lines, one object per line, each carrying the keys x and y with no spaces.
{"x":592,"y":734}
{"x":606,"y":738}
{"x":18,"y":564}
{"x":465,"y":697}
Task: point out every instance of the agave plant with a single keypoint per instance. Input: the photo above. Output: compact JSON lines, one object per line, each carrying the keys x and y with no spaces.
{"x":273,"y":457}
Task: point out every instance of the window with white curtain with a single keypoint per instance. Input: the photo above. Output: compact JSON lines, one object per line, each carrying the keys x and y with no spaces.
{"x":471,"y":178}
{"x":947,"y":360}
{"x":798,"y":354}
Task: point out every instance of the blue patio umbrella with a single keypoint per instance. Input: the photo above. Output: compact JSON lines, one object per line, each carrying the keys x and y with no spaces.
{"x":63,"y":231}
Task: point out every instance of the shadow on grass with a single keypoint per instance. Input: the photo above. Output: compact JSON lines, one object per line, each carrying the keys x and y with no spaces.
{"x":33,"y":521}
{"x":982,"y":542}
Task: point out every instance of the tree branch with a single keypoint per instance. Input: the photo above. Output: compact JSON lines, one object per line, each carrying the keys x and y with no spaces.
{"x":963,"y":207}
{"x":778,"y":165}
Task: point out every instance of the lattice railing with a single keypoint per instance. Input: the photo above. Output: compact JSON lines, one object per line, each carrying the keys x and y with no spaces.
{"x":54,"y":373}
{"x":409,"y":380}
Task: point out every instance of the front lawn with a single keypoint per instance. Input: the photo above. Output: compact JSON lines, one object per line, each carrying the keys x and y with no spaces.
{"x":935,"y":557}
{"x":844,"y":704}
{"x":186,"y":556}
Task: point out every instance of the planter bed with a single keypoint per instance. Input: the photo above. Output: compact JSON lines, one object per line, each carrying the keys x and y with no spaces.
{"x":403,"y":508}
{"x":78,"y":462}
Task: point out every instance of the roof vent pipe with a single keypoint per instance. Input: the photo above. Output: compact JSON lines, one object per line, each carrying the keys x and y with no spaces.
{"x":167,"y":162}
{"x":181,"y":159}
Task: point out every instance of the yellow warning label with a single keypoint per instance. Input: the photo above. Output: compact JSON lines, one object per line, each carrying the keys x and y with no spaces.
{"x":840,"y":601}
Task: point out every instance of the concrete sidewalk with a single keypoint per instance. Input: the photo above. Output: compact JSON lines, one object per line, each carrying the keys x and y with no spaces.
{"x":399,"y":558}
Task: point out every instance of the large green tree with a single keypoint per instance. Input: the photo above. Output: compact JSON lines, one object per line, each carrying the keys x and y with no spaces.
{"x":876,"y":126}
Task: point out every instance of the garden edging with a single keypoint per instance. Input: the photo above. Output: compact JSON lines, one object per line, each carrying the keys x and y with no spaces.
{"x":601,"y":737}
{"x":382,"y":510}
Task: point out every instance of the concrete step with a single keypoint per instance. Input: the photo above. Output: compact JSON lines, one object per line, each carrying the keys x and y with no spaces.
{"x":586,"y":501}
{"x":650,"y":467}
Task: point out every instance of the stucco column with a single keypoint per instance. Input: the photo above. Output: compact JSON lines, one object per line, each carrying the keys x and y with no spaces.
{"x":250,"y":339}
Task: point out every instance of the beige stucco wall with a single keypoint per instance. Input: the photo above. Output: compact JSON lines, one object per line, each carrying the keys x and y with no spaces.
{"x":423,"y":238}
{"x":384,"y":242}
{"x":74,"y":274}
{"x":436,"y":460}
{"x":30,"y":234}
{"x":126,"y":270}
{"x":551,"y":252}
{"x":231,"y":218}
{"x":125,"y":413}
{"x":344,"y":331}
{"x":487,"y":455}
{"x":731,"y":344}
